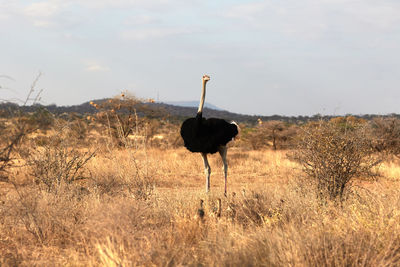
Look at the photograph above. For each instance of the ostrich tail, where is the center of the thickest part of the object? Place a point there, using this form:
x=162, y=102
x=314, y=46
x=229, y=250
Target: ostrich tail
x=238, y=128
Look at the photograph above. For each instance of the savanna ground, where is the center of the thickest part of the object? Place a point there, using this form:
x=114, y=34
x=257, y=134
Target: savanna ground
x=136, y=204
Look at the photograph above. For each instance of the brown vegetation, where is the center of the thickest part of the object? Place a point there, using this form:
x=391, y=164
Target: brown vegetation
x=81, y=195
x=333, y=154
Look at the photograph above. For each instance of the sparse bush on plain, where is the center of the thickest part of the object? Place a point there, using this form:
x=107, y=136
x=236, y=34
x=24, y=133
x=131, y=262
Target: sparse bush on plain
x=7, y=148
x=57, y=161
x=15, y=129
x=269, y=223
x=41, y=119
x=385, y=135
x=12, y=132
x=333, y=155
x=120, y=117
x=271, y=134
x=140, y=204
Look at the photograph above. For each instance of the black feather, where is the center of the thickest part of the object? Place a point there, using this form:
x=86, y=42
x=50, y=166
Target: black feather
x=207, y=135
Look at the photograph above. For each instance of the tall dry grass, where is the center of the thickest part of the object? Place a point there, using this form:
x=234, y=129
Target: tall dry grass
x=140, y=207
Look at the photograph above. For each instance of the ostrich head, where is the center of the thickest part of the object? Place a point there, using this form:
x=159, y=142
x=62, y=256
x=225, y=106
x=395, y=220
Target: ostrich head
x=206, y=78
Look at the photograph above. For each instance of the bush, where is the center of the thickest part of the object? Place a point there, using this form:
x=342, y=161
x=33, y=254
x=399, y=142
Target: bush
x=12, y=134
x=333, y=155
x=58, y=162
x=385, y=133
x=121, y=118
x=274, y=134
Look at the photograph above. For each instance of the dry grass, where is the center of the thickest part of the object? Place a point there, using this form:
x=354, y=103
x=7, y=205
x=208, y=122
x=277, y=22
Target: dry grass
x=270, y=218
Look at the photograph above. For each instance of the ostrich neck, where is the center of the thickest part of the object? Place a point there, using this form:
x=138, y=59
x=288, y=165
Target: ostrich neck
x=203, y=96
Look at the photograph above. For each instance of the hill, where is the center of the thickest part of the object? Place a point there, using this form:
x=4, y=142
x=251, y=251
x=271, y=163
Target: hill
x=193, y=104
x=171, y=112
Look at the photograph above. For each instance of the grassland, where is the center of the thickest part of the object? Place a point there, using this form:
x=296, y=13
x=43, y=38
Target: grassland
x=139, y=207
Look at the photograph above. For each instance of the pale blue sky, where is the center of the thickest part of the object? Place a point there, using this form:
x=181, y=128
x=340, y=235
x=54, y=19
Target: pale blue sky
x=285, y=57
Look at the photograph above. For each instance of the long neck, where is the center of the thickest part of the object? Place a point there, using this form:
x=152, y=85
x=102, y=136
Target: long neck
x=203, y=96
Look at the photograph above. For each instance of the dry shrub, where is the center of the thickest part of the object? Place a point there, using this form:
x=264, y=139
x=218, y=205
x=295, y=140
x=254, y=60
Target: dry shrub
x=12, y=134
x=254, y=208
x=122, y=117
x=48, y=218
x=304, y=233
x=385, y=135
x=166, y=136
x=123, y=179
x=333, y=155
x=362, y=232
x=58, y=161
x=120, y=172
x=123, y=174
x=79, y=130
x=20, y=125
x=274, y=134
x=125, y=231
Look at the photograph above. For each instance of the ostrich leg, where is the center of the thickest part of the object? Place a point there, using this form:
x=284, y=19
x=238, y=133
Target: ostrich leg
x=223, y=151
x=207, y=170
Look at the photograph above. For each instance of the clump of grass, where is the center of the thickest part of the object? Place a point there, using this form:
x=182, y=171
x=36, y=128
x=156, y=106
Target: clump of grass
x=121, y=173
x=41, y=217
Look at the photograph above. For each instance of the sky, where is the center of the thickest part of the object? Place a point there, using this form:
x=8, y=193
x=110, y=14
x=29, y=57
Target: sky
x=285, y=57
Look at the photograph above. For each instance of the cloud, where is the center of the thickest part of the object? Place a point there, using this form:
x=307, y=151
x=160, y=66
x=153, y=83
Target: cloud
x=315, y=18
x=93, y=66
x=45, y=13
x=4, y=16
x=61, y=13
x=301, y=19
x=151, y=33
x=141, y=20
x=8, y=9
x=248, y=12
x=106, y=4
x=378, y=15
x=42, y=9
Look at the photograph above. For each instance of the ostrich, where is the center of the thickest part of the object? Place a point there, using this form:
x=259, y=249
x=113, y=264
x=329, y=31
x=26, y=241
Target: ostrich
x=208, y=136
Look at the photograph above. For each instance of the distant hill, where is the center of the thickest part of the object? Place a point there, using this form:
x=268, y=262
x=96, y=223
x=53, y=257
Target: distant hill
x=182, y=113
x=171, y=112
x=193, y=104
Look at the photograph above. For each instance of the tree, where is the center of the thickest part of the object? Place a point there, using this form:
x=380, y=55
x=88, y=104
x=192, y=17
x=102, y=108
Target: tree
x=276, y=134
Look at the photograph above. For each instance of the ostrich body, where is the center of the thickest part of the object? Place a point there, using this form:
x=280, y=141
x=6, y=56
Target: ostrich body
x=208, y=136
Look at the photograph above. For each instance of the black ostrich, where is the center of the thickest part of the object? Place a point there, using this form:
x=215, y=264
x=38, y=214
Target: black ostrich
x=208, y=136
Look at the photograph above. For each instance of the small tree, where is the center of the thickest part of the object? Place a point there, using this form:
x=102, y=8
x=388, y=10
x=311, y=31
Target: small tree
x=273, y=131
x=385, y=135
x=277, y=134
x=123, y=116
x=333, y=155
x=255, y=137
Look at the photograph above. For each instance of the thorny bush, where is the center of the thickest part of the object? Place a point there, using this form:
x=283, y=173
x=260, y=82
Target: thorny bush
x=333, y=155
x=58, y=161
